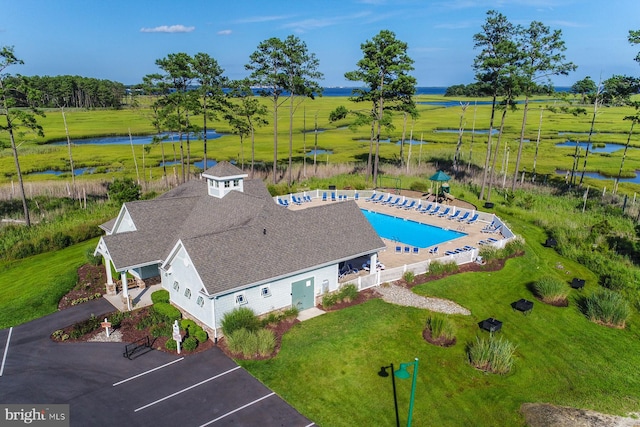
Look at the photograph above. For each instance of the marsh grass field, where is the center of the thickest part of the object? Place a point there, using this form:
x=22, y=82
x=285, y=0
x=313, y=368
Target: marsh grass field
x=436, y=127
x=327, y=366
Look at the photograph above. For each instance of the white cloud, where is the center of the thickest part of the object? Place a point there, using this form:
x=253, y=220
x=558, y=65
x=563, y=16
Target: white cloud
x=257, y=19
x=224, y=32
x=315, y=23
x=168, y=29
x=569, y=24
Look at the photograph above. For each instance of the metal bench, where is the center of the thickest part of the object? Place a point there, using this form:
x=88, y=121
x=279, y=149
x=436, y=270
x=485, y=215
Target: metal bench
x=137, y=348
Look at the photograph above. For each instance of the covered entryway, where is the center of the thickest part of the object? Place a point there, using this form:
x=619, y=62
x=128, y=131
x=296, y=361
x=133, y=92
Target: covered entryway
x=302, y=294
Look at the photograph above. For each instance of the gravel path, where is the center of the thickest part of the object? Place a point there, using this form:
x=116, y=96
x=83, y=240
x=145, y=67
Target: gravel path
x=402, y=296
x=114, y=336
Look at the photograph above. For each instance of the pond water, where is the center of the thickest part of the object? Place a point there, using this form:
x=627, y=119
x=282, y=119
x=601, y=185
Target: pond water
x=198, y=164
x=412, y=142
x=319, y=152
x=596, y=175
x=456, y=103
x=608, y=148
x=76, y=172
x=479, y=131
x=137, y=140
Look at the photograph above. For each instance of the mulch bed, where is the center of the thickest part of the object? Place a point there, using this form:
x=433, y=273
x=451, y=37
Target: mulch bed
x=91, y=281
x=440, y=342
x=493, y=265
x=131, y=334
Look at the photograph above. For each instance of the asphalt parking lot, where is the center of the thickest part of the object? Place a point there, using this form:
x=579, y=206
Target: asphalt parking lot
x=103, y=388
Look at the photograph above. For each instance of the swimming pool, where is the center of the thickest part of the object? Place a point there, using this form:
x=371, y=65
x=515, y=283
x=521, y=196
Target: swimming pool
x=409, y=232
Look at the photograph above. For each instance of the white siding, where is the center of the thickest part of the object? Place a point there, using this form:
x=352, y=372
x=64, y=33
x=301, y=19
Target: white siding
x=183, y=272
x=124, y=224
x=280, y=293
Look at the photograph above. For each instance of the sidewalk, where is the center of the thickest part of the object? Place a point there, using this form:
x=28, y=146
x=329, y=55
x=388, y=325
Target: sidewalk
x=139, y=298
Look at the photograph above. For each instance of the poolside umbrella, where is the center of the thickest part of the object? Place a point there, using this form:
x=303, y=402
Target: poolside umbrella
x=439, y=177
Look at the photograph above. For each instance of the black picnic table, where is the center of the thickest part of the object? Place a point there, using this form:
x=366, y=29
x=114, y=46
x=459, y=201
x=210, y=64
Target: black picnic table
x=491, y=325
x=523, y=305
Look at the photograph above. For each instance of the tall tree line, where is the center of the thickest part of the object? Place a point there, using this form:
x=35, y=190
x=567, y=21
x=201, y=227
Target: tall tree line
x=73, y=92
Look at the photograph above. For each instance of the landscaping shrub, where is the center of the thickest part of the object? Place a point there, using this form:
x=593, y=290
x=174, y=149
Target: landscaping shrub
x=606, y=307
x=169, y=312
x=513, y=247
x=329, y=300
x=242, y=341
x=271, y=318
x=437, y=267
x=489, y=253
x=492, y=354
x=265, y=342
x=189, y=344
x=551, y=290
x=440, y=326
x=239, y=318
x=61, y=240
x=201, y=335
x=161, y=330
x=171, y=344
x=84, y=327
x=421, y=186
x=117, y=317
x=409, y=277
x=160, y=295
x=91, y=258
x=348, y=293
x=187, y=324
x=291, y=312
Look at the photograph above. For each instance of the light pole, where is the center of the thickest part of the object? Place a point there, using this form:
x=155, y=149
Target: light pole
x=402, y=373
x=383, y=373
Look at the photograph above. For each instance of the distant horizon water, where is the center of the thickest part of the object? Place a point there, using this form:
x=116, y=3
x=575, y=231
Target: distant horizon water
x=420, y=90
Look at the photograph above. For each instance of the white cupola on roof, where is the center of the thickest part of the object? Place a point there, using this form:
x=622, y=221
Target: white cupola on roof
x=223, y=178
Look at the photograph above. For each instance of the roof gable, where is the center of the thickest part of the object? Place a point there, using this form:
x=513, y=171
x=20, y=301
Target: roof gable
x=224, y=170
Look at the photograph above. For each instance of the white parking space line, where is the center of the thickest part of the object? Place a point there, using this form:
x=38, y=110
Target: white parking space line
x=237, y=409
x=6, y=349
x=186, y=389
x=147, y=372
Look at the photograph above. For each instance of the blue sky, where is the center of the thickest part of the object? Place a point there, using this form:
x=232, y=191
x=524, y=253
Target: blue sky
x=120, y=40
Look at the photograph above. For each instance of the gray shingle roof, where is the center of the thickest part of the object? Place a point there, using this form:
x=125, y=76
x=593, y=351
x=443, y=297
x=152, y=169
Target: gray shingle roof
x=243, y=238
x=223, y=169
x=294, y=241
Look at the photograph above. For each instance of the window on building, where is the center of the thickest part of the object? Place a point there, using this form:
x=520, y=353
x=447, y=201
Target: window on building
x=227, y=184
x=241, y=299
x=265, y=291
x=176, y=286
x=236, y=183
x=187, y=293
x=200, y=301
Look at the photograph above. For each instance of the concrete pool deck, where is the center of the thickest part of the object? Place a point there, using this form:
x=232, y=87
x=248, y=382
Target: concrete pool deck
x=389, y=257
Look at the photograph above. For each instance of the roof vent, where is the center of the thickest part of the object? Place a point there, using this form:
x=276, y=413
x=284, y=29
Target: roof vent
x=264, y=231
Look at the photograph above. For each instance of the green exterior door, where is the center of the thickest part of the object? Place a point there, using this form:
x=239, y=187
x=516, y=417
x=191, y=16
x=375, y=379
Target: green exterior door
x=302, y=294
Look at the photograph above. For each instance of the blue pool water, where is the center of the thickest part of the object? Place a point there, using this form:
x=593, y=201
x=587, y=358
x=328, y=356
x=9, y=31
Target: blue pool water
x=409, y=232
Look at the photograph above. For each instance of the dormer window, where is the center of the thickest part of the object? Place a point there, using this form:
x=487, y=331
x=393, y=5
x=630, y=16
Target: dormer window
x=236, y=182
x=227, y=184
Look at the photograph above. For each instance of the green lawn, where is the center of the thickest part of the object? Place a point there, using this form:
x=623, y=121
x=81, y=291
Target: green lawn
x=328, y=366
x=32, y=287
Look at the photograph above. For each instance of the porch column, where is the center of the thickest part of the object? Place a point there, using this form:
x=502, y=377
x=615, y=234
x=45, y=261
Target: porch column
x=125, y=290
x=111, y=287
x=373, y=263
